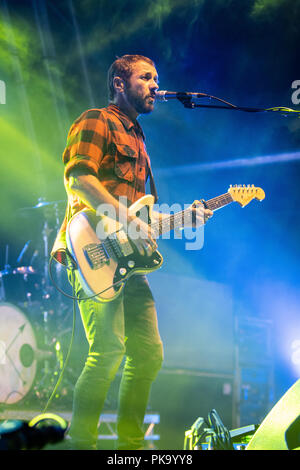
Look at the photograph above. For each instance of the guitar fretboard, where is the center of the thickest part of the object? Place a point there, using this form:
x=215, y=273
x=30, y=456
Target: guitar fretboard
x=218, y=202
x=184, y=217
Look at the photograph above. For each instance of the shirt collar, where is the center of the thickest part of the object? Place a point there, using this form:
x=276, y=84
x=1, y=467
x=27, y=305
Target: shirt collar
x=126, y=121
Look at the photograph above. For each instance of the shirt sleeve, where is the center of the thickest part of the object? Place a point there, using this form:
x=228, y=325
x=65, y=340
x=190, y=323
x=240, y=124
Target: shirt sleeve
x=86, y=143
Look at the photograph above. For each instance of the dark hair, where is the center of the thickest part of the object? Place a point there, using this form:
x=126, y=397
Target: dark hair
x=122, y=67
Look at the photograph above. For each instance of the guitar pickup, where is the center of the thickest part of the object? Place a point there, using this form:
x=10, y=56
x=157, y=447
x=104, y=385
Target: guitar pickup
x=96, y=255
x=121, y=244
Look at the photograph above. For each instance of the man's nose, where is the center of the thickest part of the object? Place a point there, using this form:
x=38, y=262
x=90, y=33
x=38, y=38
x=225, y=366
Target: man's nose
x=154, y=85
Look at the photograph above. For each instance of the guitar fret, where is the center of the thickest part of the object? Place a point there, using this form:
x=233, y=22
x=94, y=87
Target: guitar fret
x=168, y=223
x=219, y=201
x=178, y=219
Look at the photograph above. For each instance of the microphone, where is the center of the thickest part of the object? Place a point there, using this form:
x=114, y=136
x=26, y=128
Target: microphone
x=163, y=95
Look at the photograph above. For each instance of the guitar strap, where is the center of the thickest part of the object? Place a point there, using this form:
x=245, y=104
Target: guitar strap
x=152, y=185
x=153, y=189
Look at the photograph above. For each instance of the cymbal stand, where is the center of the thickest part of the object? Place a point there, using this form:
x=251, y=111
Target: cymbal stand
x=50, y=369
x=46, y=292
x=58, y=266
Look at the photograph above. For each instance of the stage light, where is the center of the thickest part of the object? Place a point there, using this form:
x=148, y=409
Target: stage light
x=46, y=428
x=295, y=356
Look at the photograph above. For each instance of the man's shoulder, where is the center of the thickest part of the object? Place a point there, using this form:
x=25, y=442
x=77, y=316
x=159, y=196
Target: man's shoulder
x=93, y=113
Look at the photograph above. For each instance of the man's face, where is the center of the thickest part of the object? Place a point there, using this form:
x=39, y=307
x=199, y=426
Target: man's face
x=141, y=87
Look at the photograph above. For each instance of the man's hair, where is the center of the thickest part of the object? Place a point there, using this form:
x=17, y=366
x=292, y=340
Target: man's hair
x=123, y=67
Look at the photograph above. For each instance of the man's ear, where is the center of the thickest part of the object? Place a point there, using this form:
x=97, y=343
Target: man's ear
x=119, y=84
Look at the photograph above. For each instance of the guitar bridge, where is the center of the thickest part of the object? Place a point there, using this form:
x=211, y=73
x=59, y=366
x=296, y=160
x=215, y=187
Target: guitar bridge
x=96, y=255
x=120, y=244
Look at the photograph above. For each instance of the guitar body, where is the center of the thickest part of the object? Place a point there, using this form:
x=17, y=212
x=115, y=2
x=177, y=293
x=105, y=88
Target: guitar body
x=104, y=253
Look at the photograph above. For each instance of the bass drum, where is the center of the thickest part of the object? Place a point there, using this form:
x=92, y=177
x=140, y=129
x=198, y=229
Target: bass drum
x=18, y=354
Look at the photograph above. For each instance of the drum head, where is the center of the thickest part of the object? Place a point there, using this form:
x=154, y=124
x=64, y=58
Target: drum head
x=17, y=354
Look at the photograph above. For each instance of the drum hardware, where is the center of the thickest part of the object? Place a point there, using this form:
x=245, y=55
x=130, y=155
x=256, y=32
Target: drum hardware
x=46, y=233
x=43, y=205
x=23, y=251
x=30, y=357
x=17, y=374
x=20, y=285
x=6, y=270
x=33, y=357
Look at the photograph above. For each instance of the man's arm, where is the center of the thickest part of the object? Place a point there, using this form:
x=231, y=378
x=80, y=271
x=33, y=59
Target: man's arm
x=92, y=192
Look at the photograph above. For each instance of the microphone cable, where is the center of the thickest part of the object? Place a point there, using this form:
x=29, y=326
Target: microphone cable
x=72, y=266
x=211, y=432
x=220, y=439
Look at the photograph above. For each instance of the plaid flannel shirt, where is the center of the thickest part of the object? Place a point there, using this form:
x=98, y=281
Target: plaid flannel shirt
x=106, y=143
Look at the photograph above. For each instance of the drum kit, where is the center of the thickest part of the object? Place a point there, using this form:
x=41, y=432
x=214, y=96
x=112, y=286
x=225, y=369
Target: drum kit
x=35, y=321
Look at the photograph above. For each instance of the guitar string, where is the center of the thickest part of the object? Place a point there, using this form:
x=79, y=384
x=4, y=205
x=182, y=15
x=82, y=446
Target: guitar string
x=170, y=222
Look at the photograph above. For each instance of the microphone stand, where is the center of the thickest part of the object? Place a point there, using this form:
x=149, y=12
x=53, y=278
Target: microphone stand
x=187, y=102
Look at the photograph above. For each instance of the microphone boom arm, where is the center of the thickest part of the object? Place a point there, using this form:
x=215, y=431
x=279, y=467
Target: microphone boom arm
x=186, y=99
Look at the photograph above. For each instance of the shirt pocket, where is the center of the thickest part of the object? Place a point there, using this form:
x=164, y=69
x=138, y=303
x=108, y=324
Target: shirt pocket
x=125, y=161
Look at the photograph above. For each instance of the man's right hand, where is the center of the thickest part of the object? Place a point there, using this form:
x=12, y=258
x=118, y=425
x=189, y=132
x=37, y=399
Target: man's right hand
x=142, y=236
x=94, y=194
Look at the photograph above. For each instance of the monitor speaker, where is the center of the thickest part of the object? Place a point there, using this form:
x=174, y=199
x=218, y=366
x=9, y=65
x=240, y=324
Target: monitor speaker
x=280, y=430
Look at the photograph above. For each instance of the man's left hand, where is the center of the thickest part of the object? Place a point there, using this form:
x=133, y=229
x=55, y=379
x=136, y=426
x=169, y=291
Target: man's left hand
x=200, y=214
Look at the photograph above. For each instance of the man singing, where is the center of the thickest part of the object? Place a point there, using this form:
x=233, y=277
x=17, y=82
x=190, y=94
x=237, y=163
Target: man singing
x=105, y=158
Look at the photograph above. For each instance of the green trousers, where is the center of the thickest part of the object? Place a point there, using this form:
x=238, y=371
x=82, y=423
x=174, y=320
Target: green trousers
x=125, y=326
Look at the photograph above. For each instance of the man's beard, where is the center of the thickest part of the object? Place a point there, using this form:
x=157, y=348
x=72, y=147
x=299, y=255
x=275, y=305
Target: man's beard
x=137, y=102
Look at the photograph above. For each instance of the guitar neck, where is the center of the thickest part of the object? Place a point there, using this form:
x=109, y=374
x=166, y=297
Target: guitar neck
x=218, y=202
x=184, y=217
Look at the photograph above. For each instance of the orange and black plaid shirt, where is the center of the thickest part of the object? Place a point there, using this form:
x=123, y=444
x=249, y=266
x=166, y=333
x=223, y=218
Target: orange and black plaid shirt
x=108, y=144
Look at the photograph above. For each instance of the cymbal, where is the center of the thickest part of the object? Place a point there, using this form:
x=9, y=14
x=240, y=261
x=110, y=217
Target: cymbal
x=44, y=205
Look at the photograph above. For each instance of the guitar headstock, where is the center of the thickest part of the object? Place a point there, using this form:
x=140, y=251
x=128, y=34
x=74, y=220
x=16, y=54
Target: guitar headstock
x=244, y=194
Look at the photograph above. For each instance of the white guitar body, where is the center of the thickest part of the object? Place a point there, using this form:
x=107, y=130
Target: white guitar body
x=104, y=253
